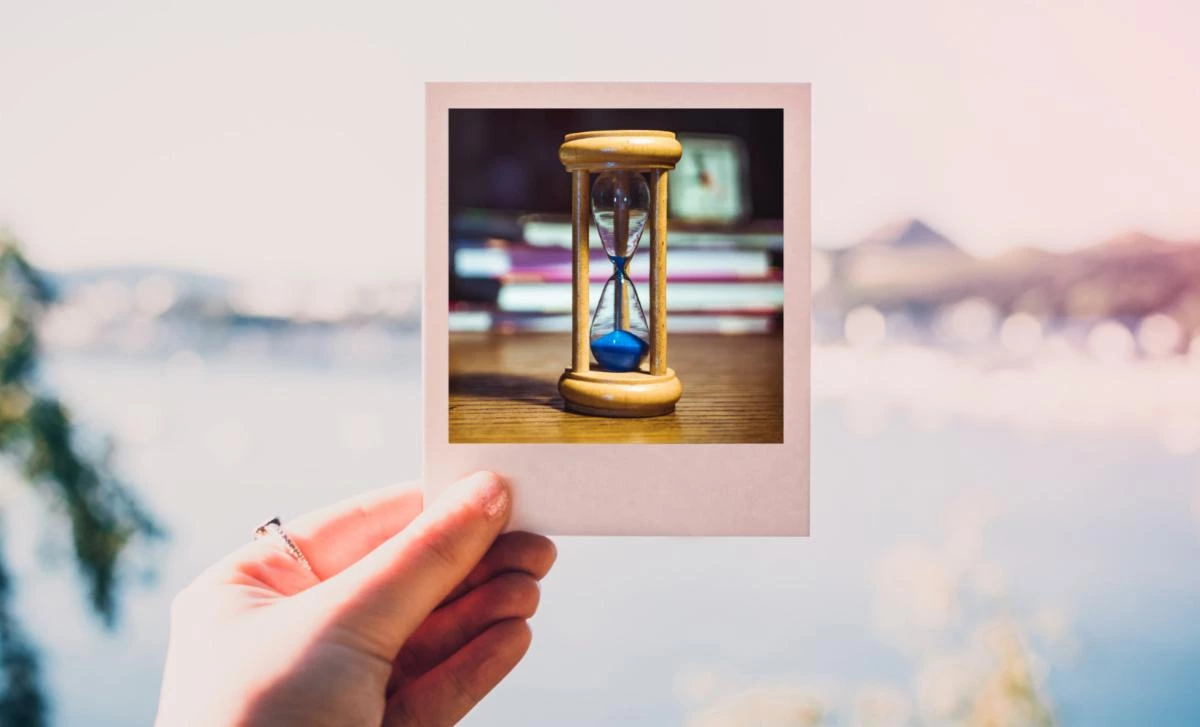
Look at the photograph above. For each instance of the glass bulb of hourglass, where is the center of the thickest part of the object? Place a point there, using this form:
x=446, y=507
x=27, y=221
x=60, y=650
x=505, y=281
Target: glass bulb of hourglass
x=619, y=334
x=620, y=206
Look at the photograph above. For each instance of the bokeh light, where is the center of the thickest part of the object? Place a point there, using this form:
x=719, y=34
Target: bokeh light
x=970, y=321
x=1111, y=342
x=154, y=295
x=865, y=327
x=1021, y=333
x=1159, y=335
x=822, y=270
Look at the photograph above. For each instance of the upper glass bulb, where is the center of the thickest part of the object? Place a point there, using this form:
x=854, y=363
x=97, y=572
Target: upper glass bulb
x=620, y=206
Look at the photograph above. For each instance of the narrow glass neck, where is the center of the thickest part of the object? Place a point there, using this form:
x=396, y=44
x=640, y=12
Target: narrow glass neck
x=620, y=265
x=619, y=280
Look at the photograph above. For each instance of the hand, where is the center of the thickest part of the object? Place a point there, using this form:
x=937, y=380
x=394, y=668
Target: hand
x=407, y=618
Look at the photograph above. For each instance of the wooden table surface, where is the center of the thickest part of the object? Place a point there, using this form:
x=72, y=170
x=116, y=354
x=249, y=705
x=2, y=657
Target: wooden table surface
x=503, y=388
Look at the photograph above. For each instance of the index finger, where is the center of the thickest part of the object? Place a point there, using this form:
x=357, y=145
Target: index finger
x=336, y=536
x=381, y=599
x=333, y=537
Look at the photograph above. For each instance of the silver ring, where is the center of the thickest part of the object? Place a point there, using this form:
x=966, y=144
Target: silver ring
x=274, y=528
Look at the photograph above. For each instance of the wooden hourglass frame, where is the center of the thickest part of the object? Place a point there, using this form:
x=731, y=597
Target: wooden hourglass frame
x=652, y=389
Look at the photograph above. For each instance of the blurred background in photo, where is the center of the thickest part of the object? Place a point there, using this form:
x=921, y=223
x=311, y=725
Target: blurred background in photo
x=228, y=203
x=510, y=219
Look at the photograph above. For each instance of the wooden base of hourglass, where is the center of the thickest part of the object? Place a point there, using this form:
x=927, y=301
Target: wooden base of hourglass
x=620, y=394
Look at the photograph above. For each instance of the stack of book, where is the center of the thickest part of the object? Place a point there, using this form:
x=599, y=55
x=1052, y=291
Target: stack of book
x=718, y=281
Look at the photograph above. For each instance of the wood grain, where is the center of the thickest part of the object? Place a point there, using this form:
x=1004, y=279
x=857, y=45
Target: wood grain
x=628, y=149
x=581, y=206
x=658, y=272
x=503, y=389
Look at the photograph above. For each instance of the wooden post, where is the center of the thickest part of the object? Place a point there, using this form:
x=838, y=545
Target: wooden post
x=658, y=272
x=580, y=208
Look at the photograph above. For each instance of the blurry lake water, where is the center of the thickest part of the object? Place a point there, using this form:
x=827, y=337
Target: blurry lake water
x=927, y=541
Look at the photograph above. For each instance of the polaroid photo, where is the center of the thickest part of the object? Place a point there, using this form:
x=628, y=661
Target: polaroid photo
x=616, y=303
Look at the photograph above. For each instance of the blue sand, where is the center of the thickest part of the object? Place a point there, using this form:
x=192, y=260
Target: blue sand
x=619, y=350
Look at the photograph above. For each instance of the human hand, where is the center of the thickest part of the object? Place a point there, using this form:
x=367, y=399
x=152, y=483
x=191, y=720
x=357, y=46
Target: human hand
x=407, y=617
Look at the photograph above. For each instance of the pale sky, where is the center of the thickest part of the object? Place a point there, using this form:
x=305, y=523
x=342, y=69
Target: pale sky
x=286, y=138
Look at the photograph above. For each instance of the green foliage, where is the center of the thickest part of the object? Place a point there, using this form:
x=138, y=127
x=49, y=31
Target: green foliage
x=21, y=702
x=36, y=437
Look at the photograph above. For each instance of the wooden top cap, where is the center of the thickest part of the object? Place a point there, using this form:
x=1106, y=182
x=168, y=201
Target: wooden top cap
x=624, y=149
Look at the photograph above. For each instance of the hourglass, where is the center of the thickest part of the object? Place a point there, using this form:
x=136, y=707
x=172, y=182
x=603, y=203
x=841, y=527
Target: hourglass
x=628, y=198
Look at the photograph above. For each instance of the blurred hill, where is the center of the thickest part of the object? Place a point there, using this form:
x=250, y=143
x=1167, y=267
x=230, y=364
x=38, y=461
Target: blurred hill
x=156, y=310
x=66, y=282
x=908, y=234
x=910, y=267
x=148, y=291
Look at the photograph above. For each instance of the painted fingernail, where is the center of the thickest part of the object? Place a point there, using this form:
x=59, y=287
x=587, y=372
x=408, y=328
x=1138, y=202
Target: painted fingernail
x=494, y=496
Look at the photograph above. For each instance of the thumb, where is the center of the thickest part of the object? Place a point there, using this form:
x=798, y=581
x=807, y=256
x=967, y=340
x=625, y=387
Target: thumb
x=379, y=601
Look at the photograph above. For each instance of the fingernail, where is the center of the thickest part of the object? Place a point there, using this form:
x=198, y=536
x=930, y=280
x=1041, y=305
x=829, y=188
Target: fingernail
x=493, y=495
